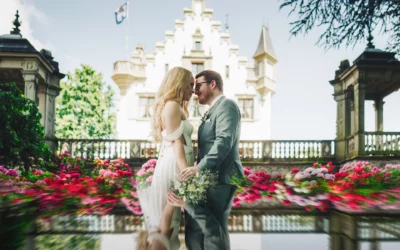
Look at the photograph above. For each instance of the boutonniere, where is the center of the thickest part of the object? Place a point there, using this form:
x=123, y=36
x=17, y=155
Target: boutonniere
x=204, y=117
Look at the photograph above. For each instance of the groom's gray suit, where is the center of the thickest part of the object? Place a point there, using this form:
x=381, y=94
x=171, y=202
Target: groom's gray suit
x=218, y=150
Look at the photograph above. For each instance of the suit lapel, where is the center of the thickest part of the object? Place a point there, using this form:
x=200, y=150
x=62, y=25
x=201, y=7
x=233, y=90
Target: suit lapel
x=210, y=112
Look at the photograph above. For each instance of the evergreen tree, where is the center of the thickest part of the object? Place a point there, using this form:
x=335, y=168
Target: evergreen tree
x=84, y=107
x=347, y=21
x=21, y=134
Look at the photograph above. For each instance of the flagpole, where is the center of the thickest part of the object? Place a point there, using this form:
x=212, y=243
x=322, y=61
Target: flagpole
x=127, y=31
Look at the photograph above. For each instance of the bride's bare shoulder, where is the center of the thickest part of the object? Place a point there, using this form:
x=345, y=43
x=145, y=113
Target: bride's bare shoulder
x=171, y=108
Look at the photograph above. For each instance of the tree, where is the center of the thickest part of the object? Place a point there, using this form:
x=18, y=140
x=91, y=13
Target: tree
x=347, y=21
x=84, y=106
x=21, y=134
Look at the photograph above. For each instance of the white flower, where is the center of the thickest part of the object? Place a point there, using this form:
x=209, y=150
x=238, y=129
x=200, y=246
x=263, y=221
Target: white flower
x=177, y=185
x=191, y=188
x=305, y=190
x=290, y=183
x=280, y=197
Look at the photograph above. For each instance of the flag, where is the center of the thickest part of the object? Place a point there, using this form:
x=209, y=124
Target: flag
x=121, y=13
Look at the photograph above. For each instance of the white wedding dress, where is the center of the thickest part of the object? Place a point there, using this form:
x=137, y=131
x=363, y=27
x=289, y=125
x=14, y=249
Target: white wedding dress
x=154, y=198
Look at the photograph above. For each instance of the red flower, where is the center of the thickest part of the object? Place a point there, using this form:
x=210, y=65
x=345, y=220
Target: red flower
x=286, y=203
x=295, y=170
x=289, y=191
x=100, y=179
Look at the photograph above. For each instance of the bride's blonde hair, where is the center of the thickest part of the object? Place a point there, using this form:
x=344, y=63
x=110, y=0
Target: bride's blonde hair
x=172, y=88
x=141, y=240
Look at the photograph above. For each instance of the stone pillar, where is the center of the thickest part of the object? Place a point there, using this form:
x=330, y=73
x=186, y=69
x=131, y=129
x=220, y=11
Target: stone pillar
x=378, y=105
x=31, y=86
x=359, y=118
x=49, y=129
x=343, y=232
x=341, y=125
x=42, y=103
x=374, y=244
x=30, y=238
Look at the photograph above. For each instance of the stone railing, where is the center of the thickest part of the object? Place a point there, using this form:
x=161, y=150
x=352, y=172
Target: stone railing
x=130, y=68
x=123, y=67
x=250, y=151
x=366, y=227
x=237, y=223
x=382, y=143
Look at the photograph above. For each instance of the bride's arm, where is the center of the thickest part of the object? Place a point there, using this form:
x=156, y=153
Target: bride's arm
x=172, y=118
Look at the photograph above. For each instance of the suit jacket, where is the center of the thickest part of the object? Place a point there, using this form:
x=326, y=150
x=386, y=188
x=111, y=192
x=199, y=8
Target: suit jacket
x=218, y=140
x=218, y=150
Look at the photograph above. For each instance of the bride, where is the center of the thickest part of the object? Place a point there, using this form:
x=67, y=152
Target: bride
x=171, y=128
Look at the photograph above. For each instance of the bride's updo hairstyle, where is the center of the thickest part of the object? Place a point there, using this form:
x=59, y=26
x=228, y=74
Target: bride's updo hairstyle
x=172, y=88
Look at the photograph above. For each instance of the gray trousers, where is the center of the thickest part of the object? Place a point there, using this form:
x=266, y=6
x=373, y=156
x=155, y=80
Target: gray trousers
x=207, y=223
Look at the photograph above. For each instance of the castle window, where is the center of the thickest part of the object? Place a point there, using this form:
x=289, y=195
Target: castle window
x=197, y=45
x=197, y=68
x=146, y=106
x=195, y=109
x=260, y=68
x=246, y=106
x=166, y=69
x=227, y=71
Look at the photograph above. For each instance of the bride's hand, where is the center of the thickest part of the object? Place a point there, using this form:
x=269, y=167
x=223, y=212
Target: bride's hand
x=189, y=172
x=175, y=200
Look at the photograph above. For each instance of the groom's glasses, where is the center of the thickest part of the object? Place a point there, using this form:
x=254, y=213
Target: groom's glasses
x=198, y=85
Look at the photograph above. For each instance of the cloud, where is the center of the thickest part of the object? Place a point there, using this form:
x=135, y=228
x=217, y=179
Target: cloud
x=28, y=13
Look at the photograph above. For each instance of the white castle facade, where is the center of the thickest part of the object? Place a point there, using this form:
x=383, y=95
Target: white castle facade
x=197, y=43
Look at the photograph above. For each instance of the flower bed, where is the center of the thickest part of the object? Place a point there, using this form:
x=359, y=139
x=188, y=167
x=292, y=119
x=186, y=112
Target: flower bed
x=77, y=187
x=355, y=187
x=81, y=187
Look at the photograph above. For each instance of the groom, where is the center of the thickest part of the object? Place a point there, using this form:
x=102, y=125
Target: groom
x=218, y=141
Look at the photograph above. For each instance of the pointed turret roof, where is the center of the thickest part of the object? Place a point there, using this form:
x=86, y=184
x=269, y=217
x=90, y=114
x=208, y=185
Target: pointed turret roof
x=265, y=44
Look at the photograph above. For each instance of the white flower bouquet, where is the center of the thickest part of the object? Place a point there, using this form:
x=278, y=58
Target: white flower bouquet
x=194, y=190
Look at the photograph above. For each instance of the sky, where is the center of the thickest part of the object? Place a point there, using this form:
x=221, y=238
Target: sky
x=84, y=32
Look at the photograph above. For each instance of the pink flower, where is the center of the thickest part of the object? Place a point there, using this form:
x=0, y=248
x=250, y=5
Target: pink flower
x=135, y=194
x=90, y=200
x=149, y=179
x=40, y=182
x=3, y=169
x=12, y=172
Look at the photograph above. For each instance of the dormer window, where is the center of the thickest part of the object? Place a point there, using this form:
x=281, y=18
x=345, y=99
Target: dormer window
x=166, y=69
x=197, y=45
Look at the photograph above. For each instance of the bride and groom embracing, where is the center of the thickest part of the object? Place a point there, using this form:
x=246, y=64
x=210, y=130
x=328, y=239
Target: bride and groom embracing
x=206, y=224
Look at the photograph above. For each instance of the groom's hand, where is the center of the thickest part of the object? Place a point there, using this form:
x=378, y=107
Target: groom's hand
x=189, y=172
x=175, y=200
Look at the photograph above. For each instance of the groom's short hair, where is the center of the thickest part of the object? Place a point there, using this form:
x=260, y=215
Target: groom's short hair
x=210, y=75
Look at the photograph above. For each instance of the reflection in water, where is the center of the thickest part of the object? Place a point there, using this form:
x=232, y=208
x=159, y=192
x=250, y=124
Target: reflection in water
x=334, y=231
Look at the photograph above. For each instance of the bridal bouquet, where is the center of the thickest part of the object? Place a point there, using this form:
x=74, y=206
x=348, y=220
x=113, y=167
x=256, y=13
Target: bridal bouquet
x=194, y=190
